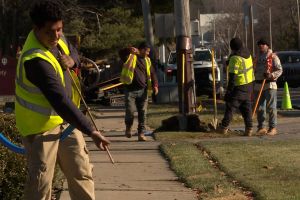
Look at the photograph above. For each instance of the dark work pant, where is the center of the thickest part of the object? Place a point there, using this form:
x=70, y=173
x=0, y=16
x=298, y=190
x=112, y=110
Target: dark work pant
x=136, y=100
x=245, y=108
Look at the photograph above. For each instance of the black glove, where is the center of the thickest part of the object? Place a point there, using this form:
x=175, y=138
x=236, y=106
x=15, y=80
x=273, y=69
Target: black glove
x=227, y=96
x=268, y=76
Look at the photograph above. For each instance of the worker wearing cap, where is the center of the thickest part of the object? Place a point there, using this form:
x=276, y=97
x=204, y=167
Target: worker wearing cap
x=46, y=103
x=240, y=86
x=139, y=77
x=267, y=66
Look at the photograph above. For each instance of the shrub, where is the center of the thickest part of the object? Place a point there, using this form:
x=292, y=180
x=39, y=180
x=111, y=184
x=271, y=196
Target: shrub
x=12, y=165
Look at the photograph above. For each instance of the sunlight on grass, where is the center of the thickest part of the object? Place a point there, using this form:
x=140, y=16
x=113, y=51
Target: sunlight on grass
x=269, y=168
x=193, y=169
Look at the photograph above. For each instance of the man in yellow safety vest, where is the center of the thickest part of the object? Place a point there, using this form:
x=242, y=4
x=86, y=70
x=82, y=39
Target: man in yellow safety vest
x=139, y=77
x=240, y=86
x=46, y=103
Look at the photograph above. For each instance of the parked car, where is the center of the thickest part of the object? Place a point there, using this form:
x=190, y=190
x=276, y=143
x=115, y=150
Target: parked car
x=202, y=64
x=171, y=69
x=290, y=61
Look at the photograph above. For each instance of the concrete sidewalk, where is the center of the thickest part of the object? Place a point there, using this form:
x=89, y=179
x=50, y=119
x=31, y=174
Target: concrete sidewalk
x=139, y=172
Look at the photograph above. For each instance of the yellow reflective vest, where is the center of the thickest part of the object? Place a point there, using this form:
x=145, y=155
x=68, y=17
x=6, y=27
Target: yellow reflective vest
x=127, y=72
x=34, y=114
x=243, y=70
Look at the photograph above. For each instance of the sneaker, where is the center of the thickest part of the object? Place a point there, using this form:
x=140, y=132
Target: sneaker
x=142, y=137
x=128, y=132
x=261, y=131
x=248, y=132
x=272, y=131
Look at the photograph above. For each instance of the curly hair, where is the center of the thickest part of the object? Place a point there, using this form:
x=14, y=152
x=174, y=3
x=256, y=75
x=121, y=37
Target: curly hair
x=45, y=11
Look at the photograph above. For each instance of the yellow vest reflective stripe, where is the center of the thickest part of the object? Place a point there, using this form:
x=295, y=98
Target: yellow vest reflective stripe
x=127, y=72
x=64, y=45
x=243, y=70
x=149, y=81
x=19, y=79
x=34, y=114
x=75, y=95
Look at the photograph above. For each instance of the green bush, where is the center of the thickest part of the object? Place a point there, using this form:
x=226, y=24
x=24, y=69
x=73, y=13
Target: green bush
x=13, y=169
x=12, y=165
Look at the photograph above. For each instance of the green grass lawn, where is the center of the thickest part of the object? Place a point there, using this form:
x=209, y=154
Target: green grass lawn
x=252, y=169
x=271, y=169
x=196, y=172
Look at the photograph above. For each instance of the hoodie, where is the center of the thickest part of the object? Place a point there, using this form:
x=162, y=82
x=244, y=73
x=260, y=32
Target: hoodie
x=241, y=92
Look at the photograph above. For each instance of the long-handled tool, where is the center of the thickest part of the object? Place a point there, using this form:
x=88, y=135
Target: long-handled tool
x=89, y=113
x=183, y=84
x=87, y=109
x=258, y=97
x=269, y=69
x=215, y=120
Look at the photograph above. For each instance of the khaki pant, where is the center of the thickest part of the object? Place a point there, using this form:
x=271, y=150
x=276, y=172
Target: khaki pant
x=42, y=153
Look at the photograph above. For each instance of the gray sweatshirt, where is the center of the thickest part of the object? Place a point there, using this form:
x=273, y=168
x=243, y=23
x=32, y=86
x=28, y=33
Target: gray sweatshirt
x=260, y=69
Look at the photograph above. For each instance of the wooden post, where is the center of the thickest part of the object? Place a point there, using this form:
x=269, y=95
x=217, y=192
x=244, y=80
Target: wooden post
x=252, y=31
x=184, y=57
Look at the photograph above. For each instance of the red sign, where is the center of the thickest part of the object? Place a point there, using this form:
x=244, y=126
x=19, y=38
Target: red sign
x=7, y=75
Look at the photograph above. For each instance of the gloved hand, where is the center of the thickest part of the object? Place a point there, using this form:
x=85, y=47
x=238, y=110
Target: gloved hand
x=134, y=50
x=268, y=76
x=155, y=90
x=66, y=61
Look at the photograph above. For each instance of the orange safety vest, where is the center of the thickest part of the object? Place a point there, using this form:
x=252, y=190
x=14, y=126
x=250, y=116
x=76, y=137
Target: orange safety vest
x=269, y=63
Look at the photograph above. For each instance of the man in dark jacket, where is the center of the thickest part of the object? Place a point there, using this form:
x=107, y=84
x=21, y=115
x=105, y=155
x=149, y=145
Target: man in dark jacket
x=240, y=86
x=139, y=76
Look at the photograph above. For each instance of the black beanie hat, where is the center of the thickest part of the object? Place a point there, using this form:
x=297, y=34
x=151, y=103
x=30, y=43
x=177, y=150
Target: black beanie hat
x=144, y=45
x=236, y=44
x=262, y=41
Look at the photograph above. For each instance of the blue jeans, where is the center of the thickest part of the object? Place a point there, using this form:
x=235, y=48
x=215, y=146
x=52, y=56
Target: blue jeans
x=137, y=99
x=267, y=103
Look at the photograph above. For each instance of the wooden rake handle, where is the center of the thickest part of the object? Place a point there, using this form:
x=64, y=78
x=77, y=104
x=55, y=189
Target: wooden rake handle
x=90, y=114
x=258, y=97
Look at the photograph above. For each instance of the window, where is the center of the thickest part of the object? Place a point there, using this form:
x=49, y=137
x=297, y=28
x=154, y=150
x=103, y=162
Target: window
x=202, y=56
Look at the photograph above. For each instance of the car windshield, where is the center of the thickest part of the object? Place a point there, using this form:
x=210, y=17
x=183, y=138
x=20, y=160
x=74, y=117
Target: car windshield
x=172, y=58
x=202, y=56
x=289, y=58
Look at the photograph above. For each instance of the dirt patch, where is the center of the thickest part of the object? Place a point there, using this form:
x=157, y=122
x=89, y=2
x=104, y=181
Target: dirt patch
x=192, y=121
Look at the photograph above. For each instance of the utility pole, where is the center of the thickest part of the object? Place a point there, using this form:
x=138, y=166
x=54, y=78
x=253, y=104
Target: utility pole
x=270, y=27
x=246, y=20
x=184, y=57
x=252, y=30
x=298, y=17
x=148, y=23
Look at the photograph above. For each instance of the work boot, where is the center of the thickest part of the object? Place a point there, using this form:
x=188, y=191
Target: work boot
x=142, y=137
x=261, y=131
x=272, y=131
x=128, y=132
x=223, y=130
x=248, y=132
